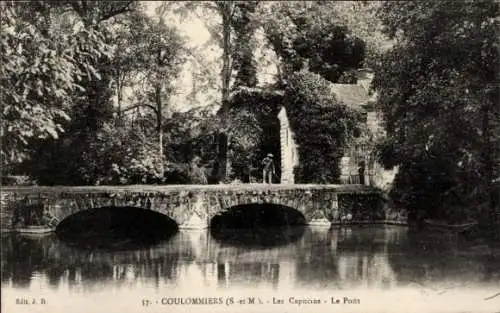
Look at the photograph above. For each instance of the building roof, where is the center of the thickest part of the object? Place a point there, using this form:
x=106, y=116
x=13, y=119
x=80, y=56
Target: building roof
x=354, y=96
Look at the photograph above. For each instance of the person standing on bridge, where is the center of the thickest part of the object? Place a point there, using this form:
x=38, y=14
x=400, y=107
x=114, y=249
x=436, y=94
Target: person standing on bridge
x=268, y=169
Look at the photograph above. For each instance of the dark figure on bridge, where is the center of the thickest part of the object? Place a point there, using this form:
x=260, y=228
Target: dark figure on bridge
x=361, y=172
x=198, y=175
x=268, y=169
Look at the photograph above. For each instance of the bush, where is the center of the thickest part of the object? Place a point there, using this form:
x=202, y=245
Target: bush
x=17, y=180
x=177, y=174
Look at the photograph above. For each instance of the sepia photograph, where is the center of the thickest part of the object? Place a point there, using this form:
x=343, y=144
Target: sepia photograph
x=250, y=156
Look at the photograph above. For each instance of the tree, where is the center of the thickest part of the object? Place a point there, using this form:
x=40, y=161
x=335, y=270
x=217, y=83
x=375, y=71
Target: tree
x=231, y=18
x=43, y=60
x=191, y=145
x=94, y=13
x=89, y=108
x=160, y=58
x=127, y=36
x=146, y=67
x=311, y=35
x=244, y=25
x=439, y=98
x=362, y=20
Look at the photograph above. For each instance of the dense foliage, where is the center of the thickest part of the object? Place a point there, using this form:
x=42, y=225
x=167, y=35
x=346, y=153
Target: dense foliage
x=121, y=155
x=244, y=25
x=361, y=19
x=322, y=126
x=42, y=67
x=191, y=146
x=312, y=34
x=75, y=59
x=438, y=91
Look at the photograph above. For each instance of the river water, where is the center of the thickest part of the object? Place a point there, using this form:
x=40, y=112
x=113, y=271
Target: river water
x=293, y=269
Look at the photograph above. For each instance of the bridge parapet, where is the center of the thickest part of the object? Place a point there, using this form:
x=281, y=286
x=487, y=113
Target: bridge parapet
x=191, y=206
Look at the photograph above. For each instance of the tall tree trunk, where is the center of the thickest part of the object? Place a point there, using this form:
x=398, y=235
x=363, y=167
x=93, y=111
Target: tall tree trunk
x=226, y=76
x=487, y=160
x=159, y=112
x=159, y=124
x=119, y=92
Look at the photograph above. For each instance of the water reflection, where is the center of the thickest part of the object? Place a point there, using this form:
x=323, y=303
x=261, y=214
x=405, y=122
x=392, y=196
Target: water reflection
x=443, y=259
x=258, y=238
x=338, y=258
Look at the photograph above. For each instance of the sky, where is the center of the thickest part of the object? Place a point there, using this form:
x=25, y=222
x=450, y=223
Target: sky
x=193, y=28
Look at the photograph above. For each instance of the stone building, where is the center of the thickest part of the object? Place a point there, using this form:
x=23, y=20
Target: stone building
x=359, y=153
x=288, y=149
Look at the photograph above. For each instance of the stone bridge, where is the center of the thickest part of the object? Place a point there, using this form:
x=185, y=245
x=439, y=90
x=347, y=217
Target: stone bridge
x=193, y=206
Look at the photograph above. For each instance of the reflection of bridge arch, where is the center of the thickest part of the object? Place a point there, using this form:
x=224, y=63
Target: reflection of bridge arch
x=197, y=246
x=191, y=256
x=188, y=206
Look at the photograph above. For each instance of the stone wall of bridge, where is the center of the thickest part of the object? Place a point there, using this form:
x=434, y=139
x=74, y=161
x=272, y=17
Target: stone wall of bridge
x=191, y=206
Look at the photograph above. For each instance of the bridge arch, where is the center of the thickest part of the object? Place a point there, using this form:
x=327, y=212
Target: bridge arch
x=315, y=206
x=178, y=207
x=255, y=215
x=259, y=225
x=116, y=227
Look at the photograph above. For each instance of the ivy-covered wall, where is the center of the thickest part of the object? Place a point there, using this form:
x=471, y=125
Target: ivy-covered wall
x=254, y=131
x=322, y=127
